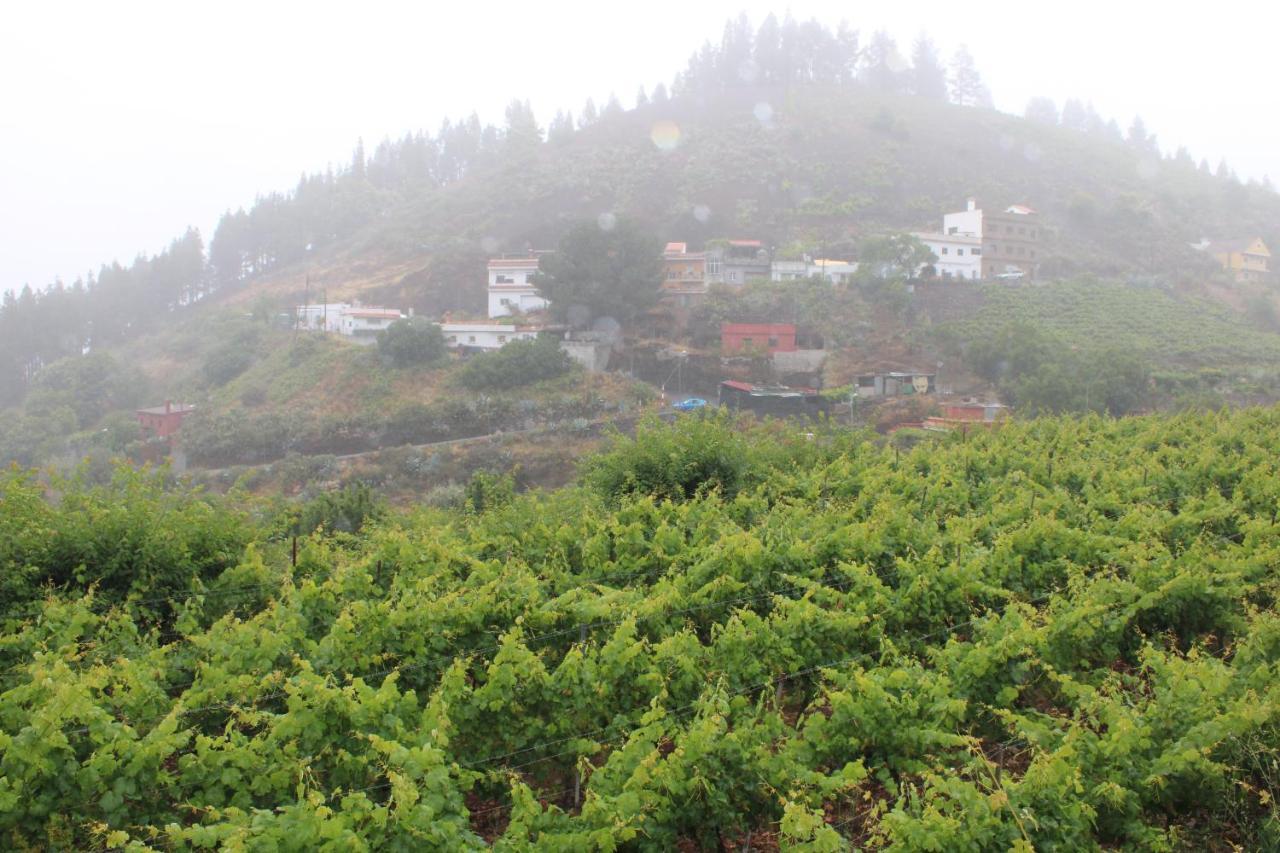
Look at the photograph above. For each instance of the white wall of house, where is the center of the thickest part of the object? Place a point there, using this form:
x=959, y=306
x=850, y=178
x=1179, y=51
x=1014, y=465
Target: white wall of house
x=511, y=289
x=958, y=257
x=364, y=324
x=788, y=270
x=507, y=300
x=488, y=336
x=967, y=222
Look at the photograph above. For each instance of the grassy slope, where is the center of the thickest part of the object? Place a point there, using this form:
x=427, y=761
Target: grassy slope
x=1174, y=331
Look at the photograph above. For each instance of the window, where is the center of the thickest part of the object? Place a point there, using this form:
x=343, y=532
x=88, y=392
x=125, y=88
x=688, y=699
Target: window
x=671, y=274
x=773, y=342
x=952, y=230
x=733, y=276
x=453, y=339
x=502, y=339
x=503, y=279
x=506, y=302
x=713, y=266
x=471, y=339
x=960, y=252
x=975, y=251
x=944, y=250
x=746, y=342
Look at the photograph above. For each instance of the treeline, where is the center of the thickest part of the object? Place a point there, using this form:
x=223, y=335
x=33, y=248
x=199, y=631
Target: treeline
x=797, y=53
x=1081, y=117
x=38, y=327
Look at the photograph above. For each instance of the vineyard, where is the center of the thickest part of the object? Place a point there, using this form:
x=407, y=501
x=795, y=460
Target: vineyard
x=1146, y=320
x=1058, y=636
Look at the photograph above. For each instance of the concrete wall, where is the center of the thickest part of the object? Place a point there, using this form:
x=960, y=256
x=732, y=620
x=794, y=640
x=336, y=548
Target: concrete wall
x=591, y=355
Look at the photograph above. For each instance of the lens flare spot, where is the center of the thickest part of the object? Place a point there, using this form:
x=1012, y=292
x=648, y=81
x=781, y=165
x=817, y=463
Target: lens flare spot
x=763, y=113
x=606, y=221
x=701, y=212
x=665, y=134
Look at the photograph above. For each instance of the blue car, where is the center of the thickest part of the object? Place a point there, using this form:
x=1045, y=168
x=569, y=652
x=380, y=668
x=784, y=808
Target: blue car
x=690, y=405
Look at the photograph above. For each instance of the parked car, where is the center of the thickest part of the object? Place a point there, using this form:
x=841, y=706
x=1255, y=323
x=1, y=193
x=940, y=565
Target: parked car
x=692, y=404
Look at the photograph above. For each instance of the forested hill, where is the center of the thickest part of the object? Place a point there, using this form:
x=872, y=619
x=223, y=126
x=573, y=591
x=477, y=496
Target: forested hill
x=790, y=133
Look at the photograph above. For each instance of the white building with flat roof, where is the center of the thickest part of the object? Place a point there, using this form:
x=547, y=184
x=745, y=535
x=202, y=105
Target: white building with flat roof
x=511, y=288
x=958, y=255
x=358, y=322
x=485, y=336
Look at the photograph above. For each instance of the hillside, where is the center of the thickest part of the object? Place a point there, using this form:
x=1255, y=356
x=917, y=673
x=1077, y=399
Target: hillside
x=813, y=167
x=830, y=167
x=1059, y=635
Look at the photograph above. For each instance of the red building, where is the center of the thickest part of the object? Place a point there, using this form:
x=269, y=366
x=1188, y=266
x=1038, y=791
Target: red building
x=163, y=421
x=973, y=410
x=757, y=337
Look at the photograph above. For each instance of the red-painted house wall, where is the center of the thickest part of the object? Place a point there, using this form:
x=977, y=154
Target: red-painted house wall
x=758, y=337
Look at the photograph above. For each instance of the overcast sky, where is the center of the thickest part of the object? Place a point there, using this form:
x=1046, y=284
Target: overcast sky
x=123, y=122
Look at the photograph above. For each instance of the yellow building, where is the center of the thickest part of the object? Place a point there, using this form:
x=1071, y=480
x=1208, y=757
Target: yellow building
x=1247, y=260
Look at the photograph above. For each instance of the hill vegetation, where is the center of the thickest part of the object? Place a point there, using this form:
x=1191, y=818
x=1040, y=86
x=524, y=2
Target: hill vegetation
x=1059, y=635
x=788, y=132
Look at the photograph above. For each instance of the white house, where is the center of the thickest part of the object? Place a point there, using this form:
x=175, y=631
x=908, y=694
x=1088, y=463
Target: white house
x=511, y=288
x=958, y=255
x=789, y=270
x=1009, y=238
x=359, y=322
x=363, y=324
x=834, y=271
x=485, y=336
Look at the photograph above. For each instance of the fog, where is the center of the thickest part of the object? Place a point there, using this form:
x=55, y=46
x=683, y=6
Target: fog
x=121, y=124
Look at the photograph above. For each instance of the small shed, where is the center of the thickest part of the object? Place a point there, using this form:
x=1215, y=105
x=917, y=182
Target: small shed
x=774, y=400
x=163, y=421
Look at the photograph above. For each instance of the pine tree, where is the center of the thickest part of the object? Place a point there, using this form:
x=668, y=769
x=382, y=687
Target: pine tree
x=521, y=136
x=735, y=65
x=1042, y=109
x=660, y=94
x=589, y=114
x=1139, y=139
x=560, y=130
x=846, y=47
x=967, y=88
x=767, y=51
x=928, y=79
x=883, y=71
x=642, y=100
x=357, y=160
x=1074, y=116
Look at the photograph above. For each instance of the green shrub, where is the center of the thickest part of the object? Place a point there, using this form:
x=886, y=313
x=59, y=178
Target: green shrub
x=517, y=364
x=675, y=462
x=408, y=342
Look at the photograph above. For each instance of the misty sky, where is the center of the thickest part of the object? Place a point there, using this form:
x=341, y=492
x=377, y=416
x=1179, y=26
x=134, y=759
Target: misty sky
x=123, y=122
